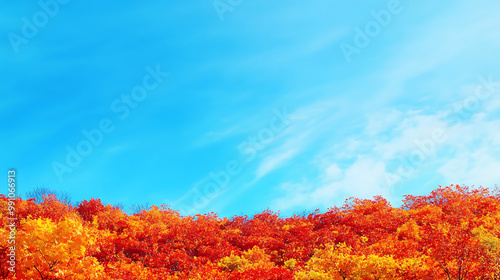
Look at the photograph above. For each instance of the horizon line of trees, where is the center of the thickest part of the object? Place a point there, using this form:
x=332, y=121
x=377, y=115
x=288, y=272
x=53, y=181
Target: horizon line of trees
x=39, y=193
x=452, y=233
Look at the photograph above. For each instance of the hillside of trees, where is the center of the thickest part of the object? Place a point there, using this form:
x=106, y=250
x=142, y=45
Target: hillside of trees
x=451, y=233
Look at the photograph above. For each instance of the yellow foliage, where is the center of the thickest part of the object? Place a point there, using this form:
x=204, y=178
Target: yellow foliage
x=287, y=227
x=134, y=270
x=232, y=262
x=492, y=246
x=410, y=230
x=332, y=262
x=489, y=240
x=378, y=267
x=339, y=262
x=253, y=258
x=290, y=264
x=56, y=250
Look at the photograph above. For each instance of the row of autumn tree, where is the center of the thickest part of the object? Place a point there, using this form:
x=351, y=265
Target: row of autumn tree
x=452, y=233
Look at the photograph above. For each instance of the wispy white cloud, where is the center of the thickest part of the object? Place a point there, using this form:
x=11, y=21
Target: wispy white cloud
x=438, y=45
x=477, y=168
x=274, y=161
x=376, y=152
x=306, y=125
x=291, y=146
x=407, y=135
x=363, y=179
x=477, y=153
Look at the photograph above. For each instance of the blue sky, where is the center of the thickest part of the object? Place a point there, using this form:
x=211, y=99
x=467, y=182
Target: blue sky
x=239, y=106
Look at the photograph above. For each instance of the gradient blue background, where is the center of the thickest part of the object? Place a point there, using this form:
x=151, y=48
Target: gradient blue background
x=352, y=126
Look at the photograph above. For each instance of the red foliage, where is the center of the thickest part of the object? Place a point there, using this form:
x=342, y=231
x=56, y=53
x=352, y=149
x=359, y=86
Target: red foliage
x=452, y=233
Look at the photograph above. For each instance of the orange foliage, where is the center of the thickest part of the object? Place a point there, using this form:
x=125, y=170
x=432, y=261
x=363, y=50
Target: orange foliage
x=452, y=233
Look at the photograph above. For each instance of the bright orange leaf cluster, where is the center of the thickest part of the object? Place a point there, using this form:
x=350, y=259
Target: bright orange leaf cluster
x=452, y=233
